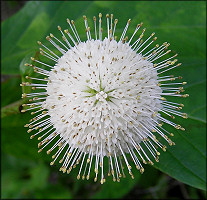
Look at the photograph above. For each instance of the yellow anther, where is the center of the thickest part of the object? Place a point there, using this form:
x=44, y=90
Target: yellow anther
x=39, y=144
x=96, y=170
x=185, y=95
x=87, y=177
x=39, y=150
x=164, y=148
x=141, y=36
x=64, y=38
x=142, y=170
x=38, y=42
x=137, y=166
x=144, y=162
x=69, y=170
x=64, y=170
x=32, y=136
x=49, y=151
x=185, y=115
x=24, y=95
x=168, y=45
x=151, y=163
x=155, y=38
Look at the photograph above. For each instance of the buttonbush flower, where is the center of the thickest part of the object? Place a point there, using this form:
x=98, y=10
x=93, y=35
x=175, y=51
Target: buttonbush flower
x=102, y=102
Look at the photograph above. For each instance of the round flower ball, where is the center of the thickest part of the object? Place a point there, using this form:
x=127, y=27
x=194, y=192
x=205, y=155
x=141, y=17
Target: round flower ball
x=101, y=105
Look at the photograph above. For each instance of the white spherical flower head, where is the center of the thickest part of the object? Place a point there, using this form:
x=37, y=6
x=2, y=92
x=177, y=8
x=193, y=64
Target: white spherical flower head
x=104, y=99
x=104, y=93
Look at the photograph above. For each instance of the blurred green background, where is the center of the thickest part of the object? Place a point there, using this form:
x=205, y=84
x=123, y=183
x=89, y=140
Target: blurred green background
x=181, y=172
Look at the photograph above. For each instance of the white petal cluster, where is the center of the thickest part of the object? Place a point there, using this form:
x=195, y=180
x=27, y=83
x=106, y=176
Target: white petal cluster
x=101, y=91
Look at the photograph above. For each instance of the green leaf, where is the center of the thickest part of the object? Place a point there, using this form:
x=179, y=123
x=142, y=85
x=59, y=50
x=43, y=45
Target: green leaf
x=15, y=139
x=37, y=181
x=34, y=22
x=10, y=89
x=180, y=23
x=186, y=161
x=26, y=179
x=11, y=109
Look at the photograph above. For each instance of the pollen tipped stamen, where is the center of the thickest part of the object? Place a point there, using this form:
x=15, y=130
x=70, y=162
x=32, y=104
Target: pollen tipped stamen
x=61, y=50
x=70, y=36
x=73, y=28
x=47, y=55
x=100, y=29
x=125, y=30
